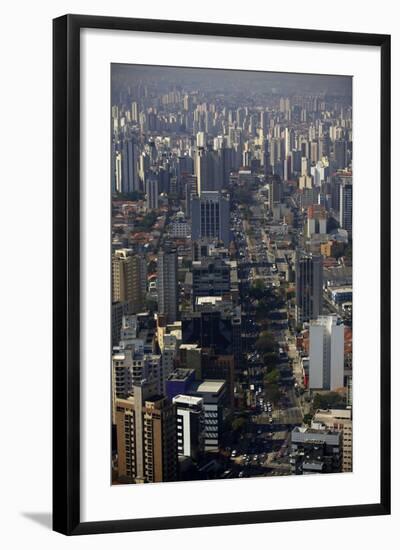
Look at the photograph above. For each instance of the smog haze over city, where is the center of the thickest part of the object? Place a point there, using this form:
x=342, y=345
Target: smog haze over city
x=231, y=262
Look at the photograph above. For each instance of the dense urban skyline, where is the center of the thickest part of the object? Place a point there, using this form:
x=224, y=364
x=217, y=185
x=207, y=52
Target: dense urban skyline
x=231, y=274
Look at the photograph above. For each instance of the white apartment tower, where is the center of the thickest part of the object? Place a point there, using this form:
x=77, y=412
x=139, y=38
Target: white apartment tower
x=326, y=353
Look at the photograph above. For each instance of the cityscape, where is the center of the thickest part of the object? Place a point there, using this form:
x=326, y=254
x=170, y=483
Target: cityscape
x=231, y=261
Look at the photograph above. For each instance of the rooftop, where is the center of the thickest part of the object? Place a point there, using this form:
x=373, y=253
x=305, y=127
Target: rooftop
x=210, y=386
x=187, y=400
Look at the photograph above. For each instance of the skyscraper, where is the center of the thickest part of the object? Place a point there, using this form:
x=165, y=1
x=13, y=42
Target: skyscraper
x=208, y=170
x=129, y=175
x=308, y=287
x=146, y=436
x=167, y=283
x=210, y=216
x=326, y=353
x=152, y=192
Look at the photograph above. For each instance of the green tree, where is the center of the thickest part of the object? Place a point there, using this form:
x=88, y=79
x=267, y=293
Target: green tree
x=272, y=377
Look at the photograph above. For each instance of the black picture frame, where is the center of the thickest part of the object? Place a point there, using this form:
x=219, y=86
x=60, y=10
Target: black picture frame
x=66, y=273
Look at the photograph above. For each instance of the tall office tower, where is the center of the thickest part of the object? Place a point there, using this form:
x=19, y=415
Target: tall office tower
x=326, y=353
x=275, y=190
x=189, y=425
x=210, y=216
x=127, y=273
x=167, y=283
x=346, y=204
x=146, y=436
x=314, y=451
x=135, y=111
x=129, y=177
x=316, y=219
x=152, y=191
x=339, y=420
x=309, y=280
x=340, y=154
x=208, y=170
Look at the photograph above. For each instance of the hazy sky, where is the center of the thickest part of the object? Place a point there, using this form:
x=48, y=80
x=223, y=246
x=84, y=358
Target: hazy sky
x=225, y=80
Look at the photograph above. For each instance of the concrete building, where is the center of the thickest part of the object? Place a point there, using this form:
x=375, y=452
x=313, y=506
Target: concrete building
x=146, y=437
x=189, y=425
x=315, y=451
x=339, y=420
x=210, y=216
x=326, y=353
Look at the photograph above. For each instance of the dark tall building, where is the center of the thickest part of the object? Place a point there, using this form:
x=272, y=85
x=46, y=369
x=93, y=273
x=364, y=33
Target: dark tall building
x=167, y=283
x=210, y=216
x=340, y=154
x=309, y=281
x=346, y=205
x=209, y=330
x=129, y=175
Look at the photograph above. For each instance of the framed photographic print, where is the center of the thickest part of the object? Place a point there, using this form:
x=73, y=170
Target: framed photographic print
x=209, y=365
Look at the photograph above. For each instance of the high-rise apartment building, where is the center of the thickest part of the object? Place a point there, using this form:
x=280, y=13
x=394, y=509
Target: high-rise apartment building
x=309, y=281
x=167, y=283
x=146, y=436
x=326, y=353
x=127, y=275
